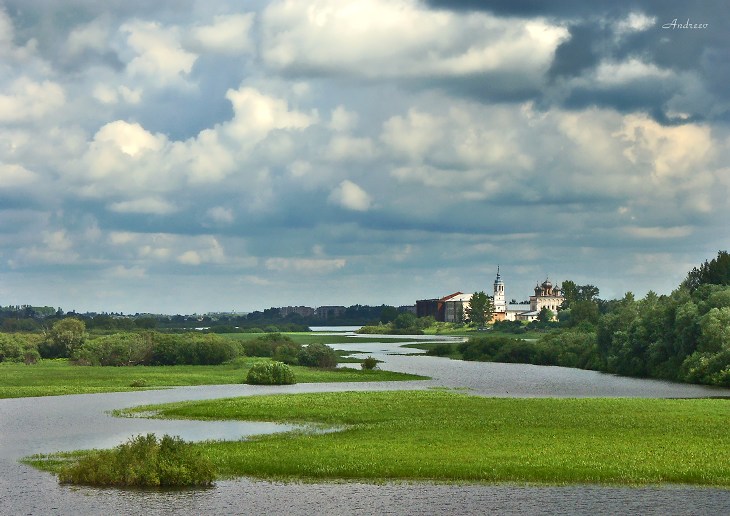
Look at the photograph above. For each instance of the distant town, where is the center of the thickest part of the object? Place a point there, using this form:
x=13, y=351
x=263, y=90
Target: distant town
x=448, y=308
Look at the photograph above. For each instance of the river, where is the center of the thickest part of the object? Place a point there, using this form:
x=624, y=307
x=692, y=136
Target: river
x=47, y=424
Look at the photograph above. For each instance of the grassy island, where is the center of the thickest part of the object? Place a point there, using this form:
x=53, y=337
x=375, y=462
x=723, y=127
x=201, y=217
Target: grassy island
x=57, y=377
x=438, y=435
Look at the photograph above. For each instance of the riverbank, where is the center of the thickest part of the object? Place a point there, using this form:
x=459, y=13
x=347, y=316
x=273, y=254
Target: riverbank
x=452, y=437
x=59, y=377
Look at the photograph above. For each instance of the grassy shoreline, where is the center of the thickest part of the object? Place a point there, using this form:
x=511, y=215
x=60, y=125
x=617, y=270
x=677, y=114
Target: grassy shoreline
x=443, y=436
x=59, y=377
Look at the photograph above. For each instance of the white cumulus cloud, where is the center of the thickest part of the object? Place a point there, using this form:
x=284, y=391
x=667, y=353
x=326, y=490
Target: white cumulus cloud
x=350, y=196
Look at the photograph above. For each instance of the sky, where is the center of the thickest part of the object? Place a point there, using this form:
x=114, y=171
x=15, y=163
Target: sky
x=189, y=156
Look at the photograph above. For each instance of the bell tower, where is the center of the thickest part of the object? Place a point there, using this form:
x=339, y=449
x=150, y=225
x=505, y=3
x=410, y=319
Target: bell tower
x=499, y=302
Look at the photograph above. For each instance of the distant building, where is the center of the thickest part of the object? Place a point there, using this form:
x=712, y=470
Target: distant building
x=435, y=308
x=303, y=311
x=328, y=312
x=546, y=296
x=453, y=308
x=498, y=300
x=411, y=309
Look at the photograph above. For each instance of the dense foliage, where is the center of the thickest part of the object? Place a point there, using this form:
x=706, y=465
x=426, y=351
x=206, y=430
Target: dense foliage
x=19, y=347
x=270, y=373
x=318, y=355
x=283, y=349
x=68, y=338
x=714, y=272
x=684, y=336
x=143, y=461
x=153, y=348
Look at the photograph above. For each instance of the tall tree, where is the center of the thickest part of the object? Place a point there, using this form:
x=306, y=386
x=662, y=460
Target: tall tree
x=67, y=335
x=545, y=315
x=573, y=293
x=715, y=272
x=480, y=309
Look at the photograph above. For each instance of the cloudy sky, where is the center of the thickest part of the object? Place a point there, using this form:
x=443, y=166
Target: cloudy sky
x=183, y=156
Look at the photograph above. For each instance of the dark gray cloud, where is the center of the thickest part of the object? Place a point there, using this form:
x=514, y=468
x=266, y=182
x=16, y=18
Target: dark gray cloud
x=599, y=34
x=575, y=55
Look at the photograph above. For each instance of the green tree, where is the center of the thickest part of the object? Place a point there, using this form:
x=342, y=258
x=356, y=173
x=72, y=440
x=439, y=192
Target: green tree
x=405, y=320
x=715, y=272
x=584, y=311
x=388, y=314
x=545, y=315
x=715, y=330
x=67, y=335
x=570, y=294
x=574, y=293
x=480, y=309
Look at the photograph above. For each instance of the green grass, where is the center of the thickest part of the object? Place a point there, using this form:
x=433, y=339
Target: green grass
x=446, y=436
x=57, y=377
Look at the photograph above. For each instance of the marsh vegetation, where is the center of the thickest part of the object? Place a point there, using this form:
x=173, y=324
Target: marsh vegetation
x=448, y=436
x=58, y=377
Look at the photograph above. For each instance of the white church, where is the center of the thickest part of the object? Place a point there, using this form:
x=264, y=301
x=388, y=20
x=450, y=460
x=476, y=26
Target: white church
x=547, y=295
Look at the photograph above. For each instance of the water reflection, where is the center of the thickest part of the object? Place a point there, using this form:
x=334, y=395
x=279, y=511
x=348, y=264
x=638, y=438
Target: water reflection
x=38, y=425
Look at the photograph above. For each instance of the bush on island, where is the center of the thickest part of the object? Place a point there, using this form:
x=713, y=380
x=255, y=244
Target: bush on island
x=270, y=373
x=368, y=364
x=143, y=461
x=318, y=355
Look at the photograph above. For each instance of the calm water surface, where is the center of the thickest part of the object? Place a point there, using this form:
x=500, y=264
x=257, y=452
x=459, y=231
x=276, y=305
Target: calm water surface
x=38, y=425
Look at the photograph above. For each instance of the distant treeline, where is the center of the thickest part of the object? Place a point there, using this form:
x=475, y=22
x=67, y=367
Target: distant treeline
x=684, y=336
x=28, y=319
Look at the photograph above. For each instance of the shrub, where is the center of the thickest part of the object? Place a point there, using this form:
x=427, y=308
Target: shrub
x=707, y=368
x=266, y=345
x=496, y=349
x=165, y=349
x=318, y=355
x=270, y=373
x=19, y=347
x=369, y=364
x=288, y=353
x=517, y=352
x=210, y=349
x=139, y=382
x=143, y=461
x=441, y=350
x=119, y=349
x=152, y=348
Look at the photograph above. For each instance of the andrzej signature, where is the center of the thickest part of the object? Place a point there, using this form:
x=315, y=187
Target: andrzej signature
x=687, y=25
